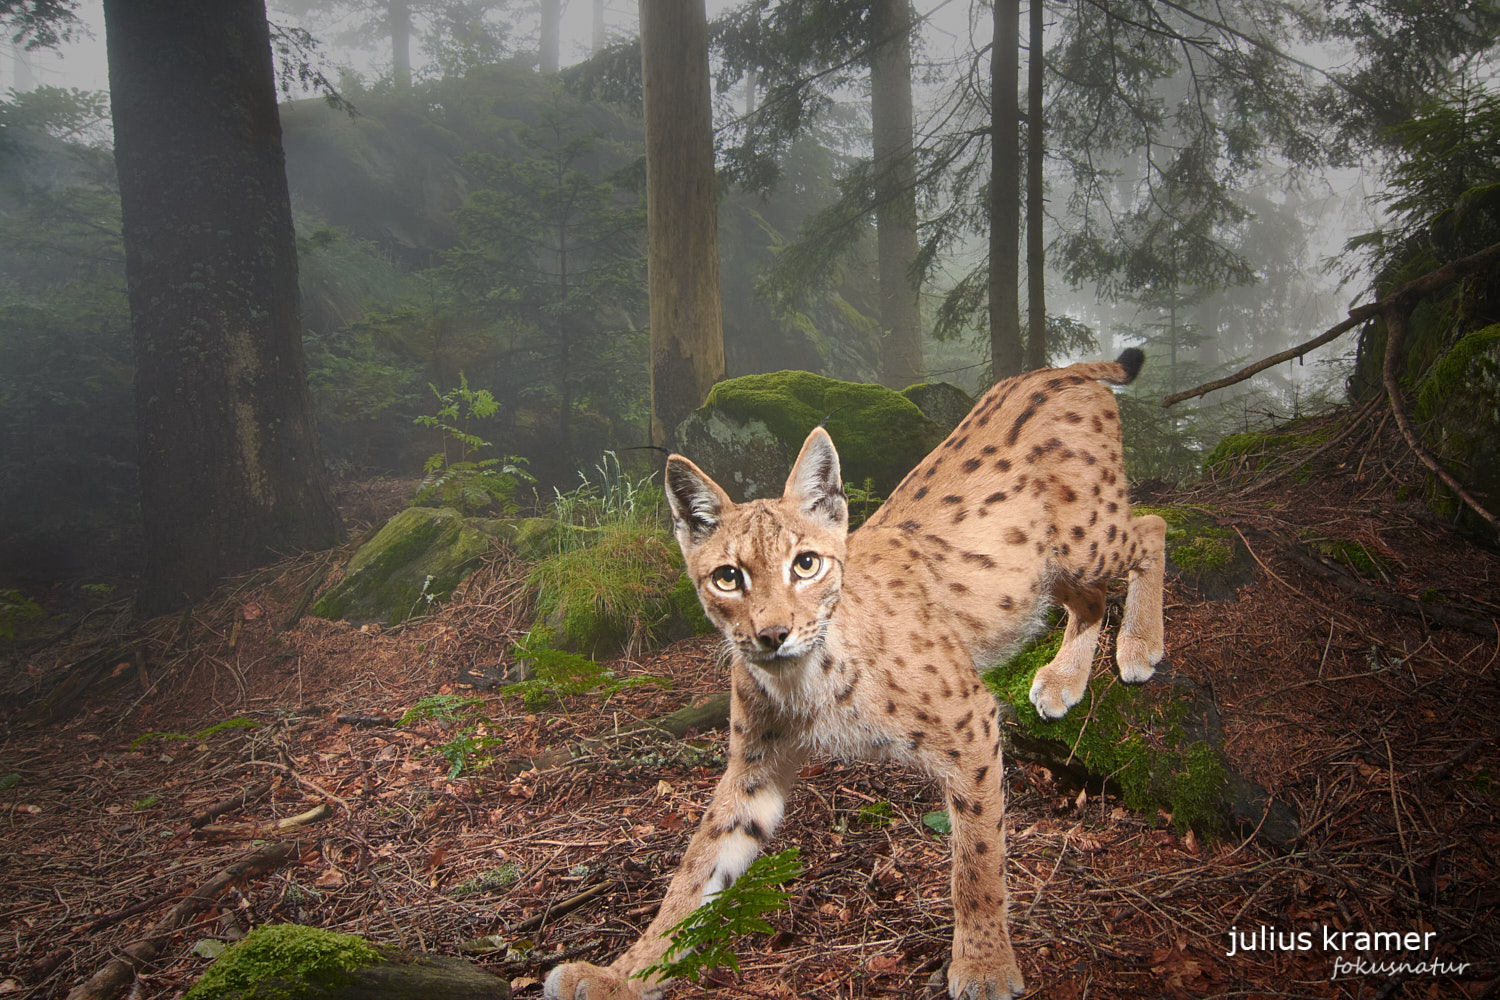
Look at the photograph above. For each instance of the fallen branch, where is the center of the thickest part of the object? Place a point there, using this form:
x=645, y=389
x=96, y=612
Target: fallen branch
x=1412, y=290
x=230, y=804
x=712, y=714
x=561, y=909
x=109, y=981
x=244, y=830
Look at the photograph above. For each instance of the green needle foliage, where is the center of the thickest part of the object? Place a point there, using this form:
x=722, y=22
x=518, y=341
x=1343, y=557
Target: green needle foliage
x=465, y=750
x=704, y=939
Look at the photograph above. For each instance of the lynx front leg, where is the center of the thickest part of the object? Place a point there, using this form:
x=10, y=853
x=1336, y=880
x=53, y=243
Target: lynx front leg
x=984, y=965
x=746, y=808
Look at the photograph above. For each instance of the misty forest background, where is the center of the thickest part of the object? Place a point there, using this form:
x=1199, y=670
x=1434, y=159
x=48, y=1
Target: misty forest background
x=1215, y=182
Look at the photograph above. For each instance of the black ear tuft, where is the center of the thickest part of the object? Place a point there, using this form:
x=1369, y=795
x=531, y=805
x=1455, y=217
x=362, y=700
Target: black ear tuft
x=816, y=483
x=696, y=502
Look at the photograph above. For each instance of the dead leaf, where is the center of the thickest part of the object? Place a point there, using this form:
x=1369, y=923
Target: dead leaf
x=250, y=612
x=521, y=982
x=886, y=963
x=1082, y=800
x=662, y=788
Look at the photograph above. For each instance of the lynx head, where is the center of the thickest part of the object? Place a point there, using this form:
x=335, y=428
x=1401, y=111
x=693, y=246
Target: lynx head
x=768, y=571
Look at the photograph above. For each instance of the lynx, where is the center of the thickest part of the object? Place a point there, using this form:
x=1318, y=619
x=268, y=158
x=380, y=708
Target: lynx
x=864, y=644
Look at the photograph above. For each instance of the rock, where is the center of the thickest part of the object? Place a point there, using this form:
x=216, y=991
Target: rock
x=1457, y=409
x=748, y=432
x=944, y=404
x=292, y=962
x=413, y=562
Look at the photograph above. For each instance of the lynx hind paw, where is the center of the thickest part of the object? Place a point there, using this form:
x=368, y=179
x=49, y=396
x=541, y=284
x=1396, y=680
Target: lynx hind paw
x=581, y=981
x=1136, y=658
x=969, y=981
x=1050, y=693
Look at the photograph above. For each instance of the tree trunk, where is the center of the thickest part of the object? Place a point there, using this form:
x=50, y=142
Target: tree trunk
x=600, y=35
x=895, y=193
x=550, y=56
x=682, y=258
x=1036, y=264
x=1006, y=351
x=399, y=16
x=229, y=465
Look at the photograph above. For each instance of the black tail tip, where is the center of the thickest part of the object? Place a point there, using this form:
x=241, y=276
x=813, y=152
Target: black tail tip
x=1131, y=360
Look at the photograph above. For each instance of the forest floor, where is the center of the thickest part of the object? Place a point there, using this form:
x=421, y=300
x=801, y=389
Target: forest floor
x=1378, y=725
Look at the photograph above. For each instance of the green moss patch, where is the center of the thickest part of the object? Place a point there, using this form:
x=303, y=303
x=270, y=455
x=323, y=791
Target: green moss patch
x=1353, y=555
x=1253, y=451
x=1139, y=740
x=1206, y=557
x=282, y=961
x=624, y=591
x=748, y=432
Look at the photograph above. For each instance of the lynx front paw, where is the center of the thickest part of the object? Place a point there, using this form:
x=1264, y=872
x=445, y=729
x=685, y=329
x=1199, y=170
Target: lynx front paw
x=968, y=980
x=581, y=981
x=1054, y=691
x=1136, y=658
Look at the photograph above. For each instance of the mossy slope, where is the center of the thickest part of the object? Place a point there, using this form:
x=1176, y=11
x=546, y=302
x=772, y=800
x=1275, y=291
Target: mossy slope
x=1140, y=740
x=1205, y=557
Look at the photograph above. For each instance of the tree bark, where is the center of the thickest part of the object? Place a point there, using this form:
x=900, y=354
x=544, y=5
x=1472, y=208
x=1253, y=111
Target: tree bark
x=229, y=465
x=399, y=15
x=600, y=34
x=682, y=259
x=1006, y=351
x=1036, y=263
x=549, y=59
x=895, y=192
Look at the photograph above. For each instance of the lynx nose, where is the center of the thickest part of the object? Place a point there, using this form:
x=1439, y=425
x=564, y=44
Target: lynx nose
x=772, y=636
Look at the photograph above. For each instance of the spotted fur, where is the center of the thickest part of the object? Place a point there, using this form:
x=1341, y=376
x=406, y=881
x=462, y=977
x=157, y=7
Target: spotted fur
x=864, y=644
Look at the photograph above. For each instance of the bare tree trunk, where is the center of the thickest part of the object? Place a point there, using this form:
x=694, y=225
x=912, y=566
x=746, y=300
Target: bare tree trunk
x=229, y=465
x=1006, y=351
x=1036, y=264
x=600, y=35
x=550, y=56
x=399, y=16
x=895, y=193
x=682, y=257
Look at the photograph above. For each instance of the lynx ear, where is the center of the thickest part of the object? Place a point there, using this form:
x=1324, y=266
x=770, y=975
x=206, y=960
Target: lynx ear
x=696, y=501
x=815, y=483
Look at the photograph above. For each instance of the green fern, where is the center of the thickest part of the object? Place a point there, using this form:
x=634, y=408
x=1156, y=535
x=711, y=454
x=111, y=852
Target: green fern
x=704, y=939
x=465, y=749
x=454, y=477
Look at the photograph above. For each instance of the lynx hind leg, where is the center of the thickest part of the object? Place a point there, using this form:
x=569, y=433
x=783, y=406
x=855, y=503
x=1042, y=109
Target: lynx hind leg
x=1141, y=644
x=1059, y=685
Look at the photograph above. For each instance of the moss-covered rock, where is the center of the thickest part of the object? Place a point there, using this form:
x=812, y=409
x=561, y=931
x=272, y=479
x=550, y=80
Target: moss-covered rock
x=1205, y=557
x=943, y=403
x=748, y=432
x=412, y=563
x=1237, y=454
x=292, y=962
x=622, y=592
x=1458, y=402
x=1156, y=745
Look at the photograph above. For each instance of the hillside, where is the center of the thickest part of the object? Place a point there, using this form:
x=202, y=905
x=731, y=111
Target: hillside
x=1360, y=689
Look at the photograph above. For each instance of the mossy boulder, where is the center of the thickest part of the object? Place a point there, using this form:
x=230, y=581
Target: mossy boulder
x=748, y=432
x=622, y=592
x=418, y=558
x=1156, y=745
x=944, y=404
x=292, y=962
x=1458, y=402
x=1205, y=558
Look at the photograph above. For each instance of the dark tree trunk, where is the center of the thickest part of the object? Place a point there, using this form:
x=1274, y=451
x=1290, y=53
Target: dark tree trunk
x=1006, y=351
x=229, y=464
x=1036, y=263
x=399, y=16
x=895, y=193
x=550, y=56
x=682, y=256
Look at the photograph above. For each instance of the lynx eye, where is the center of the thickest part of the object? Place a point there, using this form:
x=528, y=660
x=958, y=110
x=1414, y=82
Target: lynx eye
x=806, y=565
x=727, y=578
